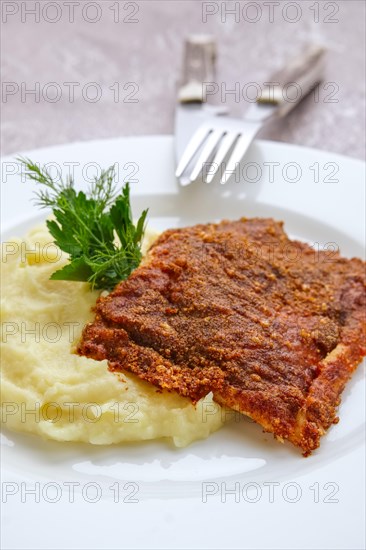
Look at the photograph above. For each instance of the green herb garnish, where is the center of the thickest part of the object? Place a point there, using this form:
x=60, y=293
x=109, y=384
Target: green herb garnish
x=85, y=227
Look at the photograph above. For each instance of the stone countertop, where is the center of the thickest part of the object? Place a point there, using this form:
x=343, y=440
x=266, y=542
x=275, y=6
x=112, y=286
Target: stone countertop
x=91, y=70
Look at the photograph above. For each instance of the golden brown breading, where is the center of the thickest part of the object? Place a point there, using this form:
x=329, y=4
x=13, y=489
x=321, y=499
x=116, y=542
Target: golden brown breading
x=272, y=327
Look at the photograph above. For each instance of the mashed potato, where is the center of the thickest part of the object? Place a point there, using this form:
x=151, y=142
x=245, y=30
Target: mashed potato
x=49, y=390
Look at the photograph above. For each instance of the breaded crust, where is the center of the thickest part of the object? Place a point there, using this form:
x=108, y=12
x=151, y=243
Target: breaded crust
x=271, y=326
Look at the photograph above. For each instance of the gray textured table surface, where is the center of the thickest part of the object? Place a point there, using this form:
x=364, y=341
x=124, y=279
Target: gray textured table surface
x=134, y=50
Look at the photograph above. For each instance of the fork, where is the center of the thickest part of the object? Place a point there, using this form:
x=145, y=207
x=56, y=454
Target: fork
x=224, y=138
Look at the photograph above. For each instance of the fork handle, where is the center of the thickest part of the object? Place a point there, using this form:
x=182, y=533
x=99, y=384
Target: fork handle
x=291, y=84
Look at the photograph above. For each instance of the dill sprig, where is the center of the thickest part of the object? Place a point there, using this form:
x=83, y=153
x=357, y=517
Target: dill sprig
x=85, y=226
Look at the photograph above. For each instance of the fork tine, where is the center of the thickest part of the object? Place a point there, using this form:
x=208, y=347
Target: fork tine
x=189, y=152
x=208, y=148
x=239, y=151
x=222, y=151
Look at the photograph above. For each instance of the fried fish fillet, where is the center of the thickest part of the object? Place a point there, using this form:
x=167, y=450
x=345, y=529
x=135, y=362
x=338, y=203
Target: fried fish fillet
x=271, y=326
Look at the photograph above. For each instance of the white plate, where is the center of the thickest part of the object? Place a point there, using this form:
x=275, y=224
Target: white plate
x=321, y=198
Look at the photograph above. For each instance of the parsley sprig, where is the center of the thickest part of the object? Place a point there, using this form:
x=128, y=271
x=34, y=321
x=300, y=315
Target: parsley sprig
x=85, y=226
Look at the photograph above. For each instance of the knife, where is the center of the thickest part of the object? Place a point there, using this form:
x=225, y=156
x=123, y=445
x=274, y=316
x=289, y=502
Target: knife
x=192, y=110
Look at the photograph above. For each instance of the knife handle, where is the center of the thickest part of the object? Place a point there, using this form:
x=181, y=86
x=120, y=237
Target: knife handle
x=199, y=67
x=291, y=84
